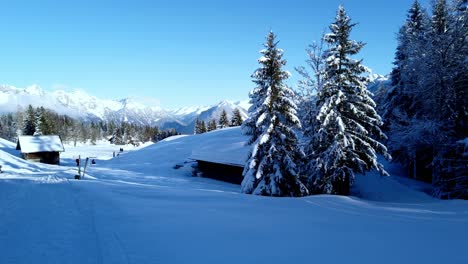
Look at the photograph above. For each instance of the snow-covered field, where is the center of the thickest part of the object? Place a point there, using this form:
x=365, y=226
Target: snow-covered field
x=138, y=208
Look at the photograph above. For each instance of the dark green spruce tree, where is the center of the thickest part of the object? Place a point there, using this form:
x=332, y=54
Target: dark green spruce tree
x=211, y=125
x=223, y=119
x=236, y=119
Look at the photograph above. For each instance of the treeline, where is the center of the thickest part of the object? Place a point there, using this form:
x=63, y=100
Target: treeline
x=202, y=127
x=422, y=117
x=335, y=113
x=425, y=110
x=41, y=121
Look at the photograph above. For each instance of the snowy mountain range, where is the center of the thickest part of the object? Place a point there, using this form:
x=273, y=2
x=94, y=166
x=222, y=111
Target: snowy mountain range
x=79, y=104
x=377, y=83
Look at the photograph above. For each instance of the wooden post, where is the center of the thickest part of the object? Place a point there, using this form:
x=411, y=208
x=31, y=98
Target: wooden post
x=84, y=167
x=78, y=176
x=79, y=165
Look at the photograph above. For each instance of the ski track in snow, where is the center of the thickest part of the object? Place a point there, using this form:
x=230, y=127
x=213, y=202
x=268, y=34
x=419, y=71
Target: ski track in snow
x=136, y=208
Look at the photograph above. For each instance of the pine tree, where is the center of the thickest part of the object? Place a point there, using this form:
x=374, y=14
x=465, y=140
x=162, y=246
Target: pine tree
x=211, y=125
x=440, y=17
x=417, y=28
x=44, y=124
x=196, y=129
x=446, y=81
x=312, y=82
x=223, y=119
x=203, y=128
x=271, y=169
x=29, y=122
x=404, y=106
x=118, y=136
x=236, y=119
x=8, y=126
x=458, y=32
x=309, y=85
x=94, y=133
x=200, y=127
x=347, y=122
x=39, y=122
x=412, y=44
x=424, y=109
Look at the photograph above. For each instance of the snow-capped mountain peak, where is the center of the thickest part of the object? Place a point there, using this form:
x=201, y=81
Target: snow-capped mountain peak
x=34, y=90
x=79, y=104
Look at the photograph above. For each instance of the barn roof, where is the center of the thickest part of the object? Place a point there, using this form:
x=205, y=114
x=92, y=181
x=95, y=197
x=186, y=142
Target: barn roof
x=33, y=144
x=226, y=146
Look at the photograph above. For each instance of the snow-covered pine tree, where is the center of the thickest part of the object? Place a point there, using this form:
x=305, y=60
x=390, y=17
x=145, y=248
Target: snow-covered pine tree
x=94, y=133
x=203, y=128
x=409, y=62
x=347, y=123
x=212, y=125
x=223, y=119
x=118, y=136
x=196, y=129
x=271, y=169
x=29, y=121
x=459, y=29
x=308, y=86
x=44, y=126
x=312, y=76
x=437, y=83
x=396, y=97
x=404, y=106
x=417, y=29
x=39, y=121
x=257, y=97
x=446, y=81
x=448, y=75
x=440, y=17
x=236, y=119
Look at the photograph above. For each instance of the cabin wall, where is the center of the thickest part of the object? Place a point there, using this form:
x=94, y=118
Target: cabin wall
x=43, y=157
x=227, y=173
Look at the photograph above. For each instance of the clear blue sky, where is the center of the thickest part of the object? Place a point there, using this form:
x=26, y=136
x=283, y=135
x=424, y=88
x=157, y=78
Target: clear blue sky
x=182, y=53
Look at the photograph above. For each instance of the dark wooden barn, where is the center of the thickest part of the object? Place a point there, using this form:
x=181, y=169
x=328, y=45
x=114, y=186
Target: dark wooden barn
x=223, y=172
x=44, y=149
x=222, y=154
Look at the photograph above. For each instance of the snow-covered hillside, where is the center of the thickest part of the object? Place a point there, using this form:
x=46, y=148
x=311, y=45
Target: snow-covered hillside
x=79, y=104
x=139, y=207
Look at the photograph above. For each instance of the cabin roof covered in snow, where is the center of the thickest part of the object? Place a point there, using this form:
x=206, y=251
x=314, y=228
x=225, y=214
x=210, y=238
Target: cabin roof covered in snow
x=34, y=144
x=226, y=146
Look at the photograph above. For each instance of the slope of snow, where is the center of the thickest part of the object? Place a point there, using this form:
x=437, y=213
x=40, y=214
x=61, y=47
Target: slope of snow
x=5, y=144
x=189, y=110
x=139, y=207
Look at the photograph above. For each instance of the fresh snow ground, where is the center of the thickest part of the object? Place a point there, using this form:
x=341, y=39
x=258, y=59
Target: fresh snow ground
x=138, y=208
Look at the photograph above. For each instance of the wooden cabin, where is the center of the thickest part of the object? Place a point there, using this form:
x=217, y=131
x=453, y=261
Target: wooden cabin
x=44, y=149
x=222, y=154
x=224, y=172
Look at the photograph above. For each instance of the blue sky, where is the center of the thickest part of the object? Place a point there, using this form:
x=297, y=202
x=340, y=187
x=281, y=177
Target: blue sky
x=181, y=53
